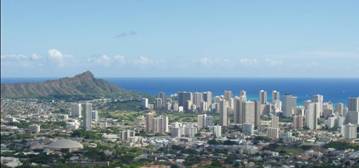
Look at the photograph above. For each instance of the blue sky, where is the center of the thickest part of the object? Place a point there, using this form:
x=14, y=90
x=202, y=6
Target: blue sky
x=143, y=38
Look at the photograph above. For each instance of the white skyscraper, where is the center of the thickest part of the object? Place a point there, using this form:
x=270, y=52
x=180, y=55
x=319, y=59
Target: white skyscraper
x=238, y=110
x=277, y=104
x=160, y=124
x=353, y=104
x=202, y=121
x=95, y=115
x=275, y=122
x=197, y=99
x=223, y=109
x=145, y=103
x=76, y=110
x=319, y=99
x=289, y=105
x=87, y=119
x=311, y=111
x=249, y=110
x=207, y=97
x=350, y=131
x=227, y=94
x=262, y=97
x=149, y=121
x=217, y=131
x=275, y=96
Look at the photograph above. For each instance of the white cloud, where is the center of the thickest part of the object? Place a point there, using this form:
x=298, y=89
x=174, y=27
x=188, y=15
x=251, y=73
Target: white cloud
x=273, y=62
x=208, y=61
x=13, y=57
x=57, y=57
x=144, y=61
x=248, y=61
x=35, y=57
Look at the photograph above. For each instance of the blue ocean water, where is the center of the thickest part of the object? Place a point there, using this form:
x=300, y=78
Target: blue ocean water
x=334, y=90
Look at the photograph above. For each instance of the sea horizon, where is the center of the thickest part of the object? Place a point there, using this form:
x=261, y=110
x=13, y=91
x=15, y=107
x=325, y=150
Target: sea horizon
x=333, y=89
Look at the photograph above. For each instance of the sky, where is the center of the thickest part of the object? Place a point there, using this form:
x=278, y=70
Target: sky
x=202, y=38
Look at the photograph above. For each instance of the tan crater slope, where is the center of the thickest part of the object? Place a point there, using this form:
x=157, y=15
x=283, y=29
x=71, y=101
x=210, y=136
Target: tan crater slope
x=84, y=84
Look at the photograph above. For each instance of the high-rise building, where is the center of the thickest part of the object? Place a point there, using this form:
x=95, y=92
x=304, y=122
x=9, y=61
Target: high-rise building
x=228, y=94
x=273, y=132
x=160, y=124
x=289, y=105
x=319, y=99
x=197, y=99
x=87, y=119
x=162, y=95
x=350, y=131
x=243, y=95
x=184, y=98
x=76, y=110
x=249, y=112
x=190, y=130
x=158, y=103
x=95, y=115
x=277, y=104
x=238, y=110
x=275, y=122
x=202, y=121
x=149, y=121
x=340, y=108
x=275, y=96
x=145, y=103
x=262, y=97
x=352, y=117
x=207, y=97
x=353, y=104
x=217, y=131
x=297, y=121
x=223, y=109
x=311, y=111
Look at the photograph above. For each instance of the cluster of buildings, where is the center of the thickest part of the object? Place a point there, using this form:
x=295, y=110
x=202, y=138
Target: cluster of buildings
x=314, y=114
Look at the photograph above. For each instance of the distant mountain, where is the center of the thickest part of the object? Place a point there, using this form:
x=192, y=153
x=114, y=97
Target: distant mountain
x=81, y=85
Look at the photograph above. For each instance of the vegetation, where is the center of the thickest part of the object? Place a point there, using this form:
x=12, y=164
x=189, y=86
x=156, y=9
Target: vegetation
x=86, y=134
x=340, y=145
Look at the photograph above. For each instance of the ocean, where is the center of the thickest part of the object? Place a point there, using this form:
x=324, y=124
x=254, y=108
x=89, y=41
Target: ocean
x=334, y=90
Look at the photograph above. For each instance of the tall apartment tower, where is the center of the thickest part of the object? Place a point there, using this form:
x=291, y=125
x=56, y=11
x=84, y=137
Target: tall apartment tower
x=297, y=121
x=228, y=95
x=277, y=104
x=289, y=105
x=262, y=97
x=160, y=124
x=197, y=99
x=350, y=131
x=248, y=112
x=76, y=110
x=184, y=98
x=353, y=104
x=275, y=95
x=149, y=121
x=311, y=111
x=275, y=122
x=223, y=110
x=238, y=110
x=207, y=97
x=87, y=119
x=319, y=99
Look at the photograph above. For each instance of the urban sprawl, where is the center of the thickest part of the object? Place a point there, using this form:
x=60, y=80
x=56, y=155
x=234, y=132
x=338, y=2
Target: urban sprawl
x=184, y=129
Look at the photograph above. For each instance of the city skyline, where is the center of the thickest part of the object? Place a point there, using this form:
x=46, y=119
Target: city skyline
x=185, y=39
